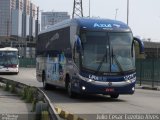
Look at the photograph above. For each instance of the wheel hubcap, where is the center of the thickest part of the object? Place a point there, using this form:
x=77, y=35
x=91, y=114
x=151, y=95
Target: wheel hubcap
x=69, y=89
x=44, y=83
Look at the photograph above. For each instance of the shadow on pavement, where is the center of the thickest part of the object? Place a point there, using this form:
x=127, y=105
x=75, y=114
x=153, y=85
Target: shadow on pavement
x=59, y=95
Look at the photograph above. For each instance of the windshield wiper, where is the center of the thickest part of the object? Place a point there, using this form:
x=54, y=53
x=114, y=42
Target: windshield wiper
x=101, y=62
x=118, y=63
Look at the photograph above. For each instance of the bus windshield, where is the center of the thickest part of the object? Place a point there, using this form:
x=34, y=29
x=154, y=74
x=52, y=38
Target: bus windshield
x=95, y=51
x=107, y=52
x=8, y=58
x=121, y=44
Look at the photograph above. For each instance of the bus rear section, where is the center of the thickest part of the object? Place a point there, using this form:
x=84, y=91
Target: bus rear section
x=9, y=62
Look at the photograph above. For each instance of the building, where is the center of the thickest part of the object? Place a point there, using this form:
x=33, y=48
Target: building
x=18, y=18
x=28, y=22
x=152, y=49
x=32, y=20
x=28, y=27
x=17, y=26
x=6, y=8
x=51, y=18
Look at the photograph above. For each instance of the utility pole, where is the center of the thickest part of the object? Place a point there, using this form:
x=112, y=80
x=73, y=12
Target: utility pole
x=116, y=14
x=77, y=9
x=127, y=11
x=7, y=29
x=89, y=8
x=37, y=24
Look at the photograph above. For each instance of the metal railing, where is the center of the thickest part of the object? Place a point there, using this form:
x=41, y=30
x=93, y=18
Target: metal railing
x=148, y=72
x=27, y=62
x=52, y=112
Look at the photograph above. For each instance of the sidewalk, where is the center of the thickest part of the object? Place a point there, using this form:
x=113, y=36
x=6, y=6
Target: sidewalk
x=149, y=87
x=12, y=107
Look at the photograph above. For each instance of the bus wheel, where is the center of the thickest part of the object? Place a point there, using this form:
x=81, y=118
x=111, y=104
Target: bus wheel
x=16, y=73
x=114, y=95
x=69, y=90
x=45, y=85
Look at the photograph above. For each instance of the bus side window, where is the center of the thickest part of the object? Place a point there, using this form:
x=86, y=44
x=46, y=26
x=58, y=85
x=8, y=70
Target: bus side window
x=76, y=56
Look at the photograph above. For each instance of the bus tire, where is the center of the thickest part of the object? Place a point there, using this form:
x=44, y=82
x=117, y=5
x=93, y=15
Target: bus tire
x=45, y=84
x=114, y=95
x=71, y=94
x=16, y=73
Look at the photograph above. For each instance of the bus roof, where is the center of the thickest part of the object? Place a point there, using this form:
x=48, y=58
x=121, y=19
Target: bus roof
x=102, y=24
x=59, y=25
x=90, y=24
x=8, y=49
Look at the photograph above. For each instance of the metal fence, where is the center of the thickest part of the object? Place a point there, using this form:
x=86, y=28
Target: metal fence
x=27, y=62
x=148, y=72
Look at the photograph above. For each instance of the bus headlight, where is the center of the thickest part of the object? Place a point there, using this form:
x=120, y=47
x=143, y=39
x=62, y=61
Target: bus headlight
x=83, y=88
x=129, y=81
x=90, y=80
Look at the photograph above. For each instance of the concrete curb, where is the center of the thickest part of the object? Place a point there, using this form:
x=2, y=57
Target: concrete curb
x=40, y=95
x=147, y=87
x=66, y=115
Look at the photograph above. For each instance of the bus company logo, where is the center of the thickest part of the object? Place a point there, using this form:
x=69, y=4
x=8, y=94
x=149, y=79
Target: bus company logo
x=93, y=77
x=129, y=77
x=109, y=84
x=102, y=25
x=116, y=25
x=54, y=37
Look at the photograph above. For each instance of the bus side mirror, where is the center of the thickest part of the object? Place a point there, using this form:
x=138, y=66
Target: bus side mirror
x=78, y=45
x=19, y=57
x=139, y=48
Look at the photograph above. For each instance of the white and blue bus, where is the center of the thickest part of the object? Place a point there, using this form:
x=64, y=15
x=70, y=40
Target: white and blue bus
x=9, y=61
x=88, y=56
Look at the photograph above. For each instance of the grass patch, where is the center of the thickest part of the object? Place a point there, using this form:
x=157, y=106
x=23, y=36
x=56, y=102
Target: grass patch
x=13, y=88
x=45, y=115
x=7, y=87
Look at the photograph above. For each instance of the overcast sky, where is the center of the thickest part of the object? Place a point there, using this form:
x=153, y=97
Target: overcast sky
x=144, y=15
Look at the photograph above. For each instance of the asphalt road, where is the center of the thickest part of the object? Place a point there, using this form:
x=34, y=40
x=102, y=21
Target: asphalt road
x=25, y=75
x=142, y=102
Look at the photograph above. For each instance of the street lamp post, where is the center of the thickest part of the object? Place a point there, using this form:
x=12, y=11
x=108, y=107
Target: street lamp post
x=127, y=11
x=116, y=14
x=37, y=24
x=89, y=8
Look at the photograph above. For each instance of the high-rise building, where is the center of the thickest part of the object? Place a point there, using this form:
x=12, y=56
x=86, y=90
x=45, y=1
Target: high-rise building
x=51, y=18
x=32, y=20
x=17, y=25
x=18, y=18
x=6, y=8
x=25, y=18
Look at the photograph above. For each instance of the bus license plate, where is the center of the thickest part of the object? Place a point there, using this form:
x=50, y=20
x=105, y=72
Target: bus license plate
x=109, y=89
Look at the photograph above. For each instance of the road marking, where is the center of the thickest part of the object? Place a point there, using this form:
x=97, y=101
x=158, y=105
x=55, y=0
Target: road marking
x=66, y=115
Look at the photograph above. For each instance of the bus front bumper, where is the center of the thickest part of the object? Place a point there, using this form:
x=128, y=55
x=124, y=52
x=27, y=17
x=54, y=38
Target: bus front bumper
x=9, y=70
x=105, y=88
